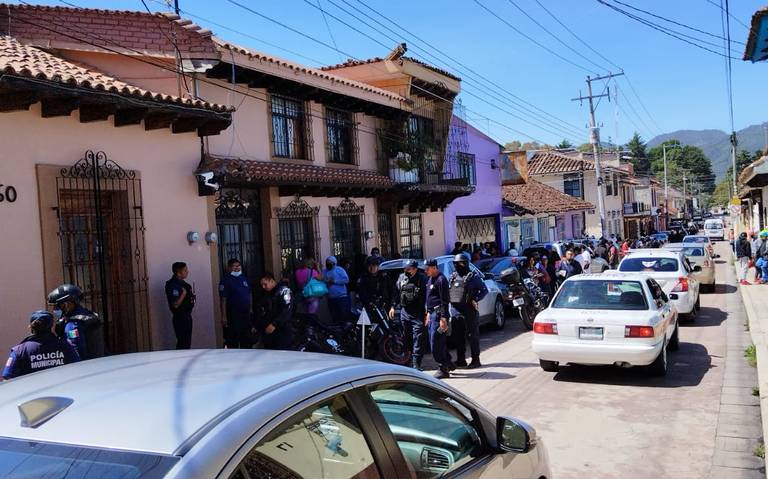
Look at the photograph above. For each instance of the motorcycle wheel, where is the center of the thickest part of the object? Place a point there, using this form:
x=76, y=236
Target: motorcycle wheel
x=527, y=317
x=394, y=349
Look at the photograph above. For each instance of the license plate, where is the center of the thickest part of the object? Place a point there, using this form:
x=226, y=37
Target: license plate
x=518, y=302
x=595, y=334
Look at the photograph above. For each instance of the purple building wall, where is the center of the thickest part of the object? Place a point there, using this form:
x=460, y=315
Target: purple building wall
x=484, y=204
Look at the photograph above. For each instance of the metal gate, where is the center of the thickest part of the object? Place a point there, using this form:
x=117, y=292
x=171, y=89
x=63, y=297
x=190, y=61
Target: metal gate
x=347, y=225
x=238, y=220
x=101, y=230
x=410, y=236
x=298, y=238
x=476, y=229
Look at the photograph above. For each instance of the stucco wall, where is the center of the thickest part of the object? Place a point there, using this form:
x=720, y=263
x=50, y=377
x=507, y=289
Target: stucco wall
x=171, y=208
x=433, y=234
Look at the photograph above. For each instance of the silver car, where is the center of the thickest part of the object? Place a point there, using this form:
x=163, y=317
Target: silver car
x=246, y=414
x=698, y=255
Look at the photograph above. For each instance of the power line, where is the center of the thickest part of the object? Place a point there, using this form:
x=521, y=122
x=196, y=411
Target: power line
x=712, y=2
x=327, y=25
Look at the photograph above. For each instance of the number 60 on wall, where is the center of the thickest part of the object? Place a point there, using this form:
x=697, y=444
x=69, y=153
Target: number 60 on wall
x=7, y=193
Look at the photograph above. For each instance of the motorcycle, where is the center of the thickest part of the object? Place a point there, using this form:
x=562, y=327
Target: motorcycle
x=526, y=296
x=385, y=337
x=316, y=337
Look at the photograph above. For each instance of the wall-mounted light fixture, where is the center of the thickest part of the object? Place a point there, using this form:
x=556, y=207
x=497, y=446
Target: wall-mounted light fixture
x=211, y=237
x=494, y=165
x=193, y=237
x=369, y=235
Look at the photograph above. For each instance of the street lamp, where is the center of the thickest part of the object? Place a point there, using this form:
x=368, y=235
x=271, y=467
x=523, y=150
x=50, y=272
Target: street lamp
x=666, y=185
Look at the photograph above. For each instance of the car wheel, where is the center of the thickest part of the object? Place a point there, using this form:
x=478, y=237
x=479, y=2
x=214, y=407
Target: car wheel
x=499, y=316
x=549, y=366
x=674, y=342
x=659, y=365
x=527, y=316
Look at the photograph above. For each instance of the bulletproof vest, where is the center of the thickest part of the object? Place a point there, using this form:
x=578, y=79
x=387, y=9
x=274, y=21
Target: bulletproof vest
x=457, y=288
x=409, y=291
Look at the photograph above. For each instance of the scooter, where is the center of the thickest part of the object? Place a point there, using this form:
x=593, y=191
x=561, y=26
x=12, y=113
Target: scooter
x=525, y=298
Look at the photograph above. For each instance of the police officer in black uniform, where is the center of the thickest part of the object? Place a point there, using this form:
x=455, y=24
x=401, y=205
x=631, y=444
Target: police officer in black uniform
x=181, y=300
x=466, y=290
x=276, y=313
x=75, y=323
x=235, y=295
x=410, y=297
x=373, y=288
x=438, y=319
x=41, y=350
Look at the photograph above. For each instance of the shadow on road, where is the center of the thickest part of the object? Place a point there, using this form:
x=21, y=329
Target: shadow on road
x=724, y=289
x=512, y=365
x=708, y=316
x=687, y=368
x=460, y=373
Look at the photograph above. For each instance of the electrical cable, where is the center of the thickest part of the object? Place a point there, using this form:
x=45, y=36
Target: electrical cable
x=712, y=2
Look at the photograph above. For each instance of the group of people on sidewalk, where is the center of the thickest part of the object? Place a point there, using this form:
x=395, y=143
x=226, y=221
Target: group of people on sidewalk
x=752, y=251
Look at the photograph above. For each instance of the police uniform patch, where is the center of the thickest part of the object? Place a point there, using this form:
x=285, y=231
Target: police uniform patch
x=73, y=333
x=175, y=292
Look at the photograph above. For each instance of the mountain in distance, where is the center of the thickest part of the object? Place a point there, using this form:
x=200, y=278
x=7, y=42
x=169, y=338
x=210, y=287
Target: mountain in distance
x=716, y=144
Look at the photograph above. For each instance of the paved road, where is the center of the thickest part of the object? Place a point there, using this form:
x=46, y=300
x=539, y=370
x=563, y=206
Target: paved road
x=606, y=422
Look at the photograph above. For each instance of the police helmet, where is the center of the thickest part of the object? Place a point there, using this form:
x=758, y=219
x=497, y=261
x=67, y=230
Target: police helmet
x=460, y=258
x=64, y=293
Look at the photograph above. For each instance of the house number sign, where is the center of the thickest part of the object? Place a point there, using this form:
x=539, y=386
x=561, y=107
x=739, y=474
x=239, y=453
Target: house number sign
x=7, y=194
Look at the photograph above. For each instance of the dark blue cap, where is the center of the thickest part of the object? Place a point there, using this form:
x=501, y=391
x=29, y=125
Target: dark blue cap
x=44, y=317
x=411, y=264
x=432, y=262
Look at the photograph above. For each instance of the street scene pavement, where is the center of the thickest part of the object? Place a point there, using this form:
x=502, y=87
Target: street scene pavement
x=608, y=422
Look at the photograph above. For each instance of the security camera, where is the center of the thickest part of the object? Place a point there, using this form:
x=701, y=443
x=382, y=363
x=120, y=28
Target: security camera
x=205, y=184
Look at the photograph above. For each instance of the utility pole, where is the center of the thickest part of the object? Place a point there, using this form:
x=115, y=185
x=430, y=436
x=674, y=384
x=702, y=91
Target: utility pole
x=685, y=198
x=594, y=139
x=666, y=185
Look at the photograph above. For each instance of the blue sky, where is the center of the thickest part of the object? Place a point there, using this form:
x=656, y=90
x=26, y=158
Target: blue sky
x=681, y=86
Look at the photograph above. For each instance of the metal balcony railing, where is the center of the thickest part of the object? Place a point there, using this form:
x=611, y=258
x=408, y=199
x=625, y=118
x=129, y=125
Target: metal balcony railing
x=429, y=172
x=636, y=209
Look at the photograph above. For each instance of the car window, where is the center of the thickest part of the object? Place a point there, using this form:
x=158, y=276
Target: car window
x=501, y=266
x=695, y=239
x=693, y=251
x=601, y=294
x=657, y=293
x=435, y=433
x=322, y=442
x=649, y=265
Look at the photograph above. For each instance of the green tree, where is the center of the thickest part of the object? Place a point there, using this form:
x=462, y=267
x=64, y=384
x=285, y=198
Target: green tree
x=743, y=160
x=637, y=149
x=564, y=145
x=689, y=161
x=517, y=145
x=722, y=194
x=585, y=148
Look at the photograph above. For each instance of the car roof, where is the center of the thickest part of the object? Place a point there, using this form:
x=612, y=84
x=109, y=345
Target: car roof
x=164, y=401
x=609, y=275
x=654, y=252
x=399, y=264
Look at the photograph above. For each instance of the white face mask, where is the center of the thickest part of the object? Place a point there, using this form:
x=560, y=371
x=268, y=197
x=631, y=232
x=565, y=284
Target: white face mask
x=236, y=273
x=57, y=313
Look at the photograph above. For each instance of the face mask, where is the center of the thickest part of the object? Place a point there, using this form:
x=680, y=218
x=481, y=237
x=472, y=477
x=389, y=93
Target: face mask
x=57, y=313
x=236, y=273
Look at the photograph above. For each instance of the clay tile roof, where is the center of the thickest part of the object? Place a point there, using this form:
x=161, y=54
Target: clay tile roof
x=353, y=63
x=753, y=50
x=277, y=174
x=133, y=31
x=550, y=162
x=537, y=198
x=34, y=64
x=256, y=55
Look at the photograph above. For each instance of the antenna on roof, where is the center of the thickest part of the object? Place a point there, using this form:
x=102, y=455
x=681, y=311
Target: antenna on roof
x=397, y=52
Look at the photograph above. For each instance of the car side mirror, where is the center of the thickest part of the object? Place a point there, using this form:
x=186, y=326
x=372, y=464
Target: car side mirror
x=488, y=276
x=696, y=269
x=674, y=296
x=513, y=435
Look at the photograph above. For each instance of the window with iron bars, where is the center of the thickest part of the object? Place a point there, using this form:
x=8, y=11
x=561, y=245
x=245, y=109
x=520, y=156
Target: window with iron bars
x=410, y=236
x=466, y=166
x=341, y=139
x=289, y=128
x=572, y=185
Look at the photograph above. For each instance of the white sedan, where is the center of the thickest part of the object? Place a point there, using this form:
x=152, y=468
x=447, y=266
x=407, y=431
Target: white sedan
x=611, y=318
x=672, y=271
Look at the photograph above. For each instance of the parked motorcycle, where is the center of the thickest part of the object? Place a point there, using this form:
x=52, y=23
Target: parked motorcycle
x=385, y=337
x=526, y=296
x=316, y=337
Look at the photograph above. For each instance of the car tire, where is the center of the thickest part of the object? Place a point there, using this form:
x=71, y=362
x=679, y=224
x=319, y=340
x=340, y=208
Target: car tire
x=549, y=366
x=527, y=317
x=659, y=365
x=499, y=315
x=674, y=341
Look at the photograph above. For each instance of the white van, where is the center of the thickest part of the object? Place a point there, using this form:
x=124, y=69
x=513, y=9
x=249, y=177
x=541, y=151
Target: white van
x=714, y=229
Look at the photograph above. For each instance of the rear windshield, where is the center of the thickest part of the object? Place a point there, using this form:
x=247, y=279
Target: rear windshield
x=25, y=459
x=649, y=265
x=693, y=251
x=695, y=239
x=601, y=294
x=713, y=226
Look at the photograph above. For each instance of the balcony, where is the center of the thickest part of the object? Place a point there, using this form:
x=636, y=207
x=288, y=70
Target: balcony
x=637, y=209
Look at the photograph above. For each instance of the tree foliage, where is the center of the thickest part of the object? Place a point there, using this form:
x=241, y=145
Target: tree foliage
x=743, y=160
x=722, y=193
x=639, y=154
x=683, y=161
x=564, y=145
x=517, y=145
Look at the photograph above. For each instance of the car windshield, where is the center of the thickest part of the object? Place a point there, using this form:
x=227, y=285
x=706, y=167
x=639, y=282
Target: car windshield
x=601, y=294
x=26, y=459
x=713, y=226
x=649, y=265
x=695, y=239
x=693, y=251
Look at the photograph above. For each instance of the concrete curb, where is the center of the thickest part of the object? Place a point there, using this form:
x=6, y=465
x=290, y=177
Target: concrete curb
x=758, y=325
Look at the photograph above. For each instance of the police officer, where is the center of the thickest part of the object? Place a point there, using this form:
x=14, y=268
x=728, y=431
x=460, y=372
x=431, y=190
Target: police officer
x=438, y=319
x=75, y=323
x=410, y=297
x=41, y=350
x=466, y=290
x=235, y=305
x=181, y=300
x=277, y=309
x=373, y=288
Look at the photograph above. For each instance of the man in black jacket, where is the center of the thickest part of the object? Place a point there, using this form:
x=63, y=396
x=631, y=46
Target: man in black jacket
x=373, y=287
x=411, y=297
x=466, y=290
x=276, y=313
x=743, y=254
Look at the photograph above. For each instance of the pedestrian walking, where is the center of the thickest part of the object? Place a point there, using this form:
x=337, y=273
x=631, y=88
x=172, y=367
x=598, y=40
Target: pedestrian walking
x=181, y=301
x=40, y=350
x=466, y=289
x=76, y=323
x=410, y=298
x=276, y=313
x=438, y=319
x=568, y=266
x=235, y=307
x=743, y=255
x=307, y=272
x=337, y=279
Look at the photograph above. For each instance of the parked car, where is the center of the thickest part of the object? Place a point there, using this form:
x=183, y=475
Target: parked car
x=491, y=307
x=660, y=237
x=612, y=318
x=698, y=255
x=250, y=413
x=714, y=229
x=703, y=240
x=672, y=271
